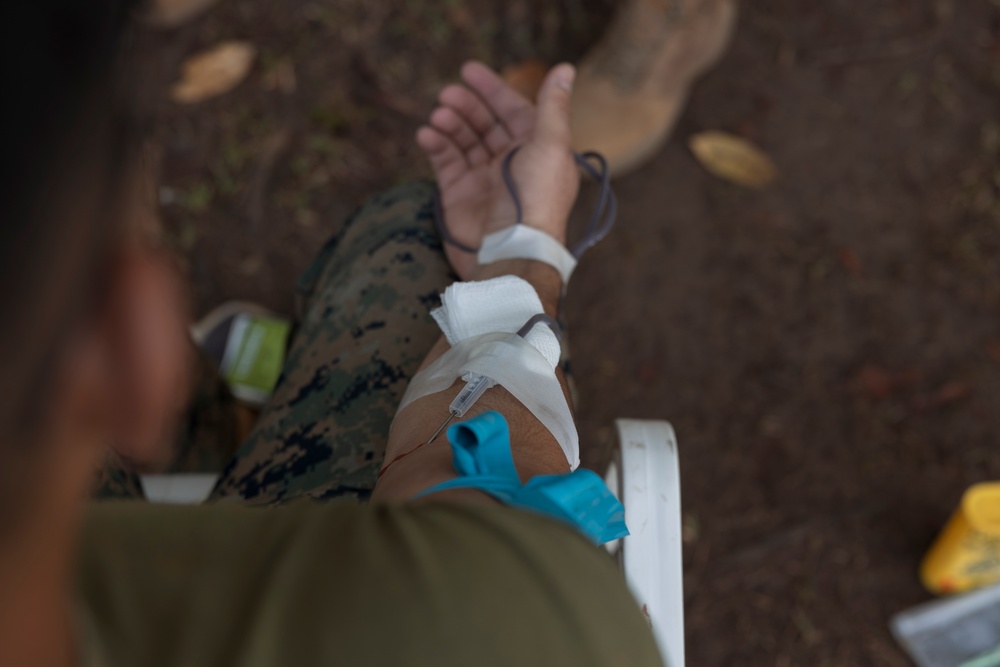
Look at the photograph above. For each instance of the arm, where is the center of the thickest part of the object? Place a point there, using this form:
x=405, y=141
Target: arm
x=421, y=466
x=548, y=182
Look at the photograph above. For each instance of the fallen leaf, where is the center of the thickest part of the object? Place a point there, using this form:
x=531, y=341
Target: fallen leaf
x=271, y=148
x=214, y=72
x=877, y=383
x=251, y=265
x=307, y=217
x=733, y=159
x=851, y=261
x=526, y=77
x=462, y=18
x=689, y=529
x=646, y=373
x=281, y=77
x=173, y=13
x=874, y=382
x=953, y=391
x=993, y=350
x=401, y=104
x=946, y=394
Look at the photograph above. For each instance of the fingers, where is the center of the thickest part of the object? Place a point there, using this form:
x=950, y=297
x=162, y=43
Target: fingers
x=512, y=109
x=465, y=102
x=446, y=158
x=474, y=124
x=451, y=123
x=553, y=126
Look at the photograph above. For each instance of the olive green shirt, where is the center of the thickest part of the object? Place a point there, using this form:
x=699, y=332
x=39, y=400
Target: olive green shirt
x=344, y=584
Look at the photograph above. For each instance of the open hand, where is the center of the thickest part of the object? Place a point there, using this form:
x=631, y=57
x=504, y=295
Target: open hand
x=466, y=139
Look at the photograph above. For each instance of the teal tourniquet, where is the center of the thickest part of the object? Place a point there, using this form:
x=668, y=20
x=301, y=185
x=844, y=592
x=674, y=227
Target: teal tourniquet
x=482, y=457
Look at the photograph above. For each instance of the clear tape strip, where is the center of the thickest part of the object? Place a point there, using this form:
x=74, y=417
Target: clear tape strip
x=515, y=365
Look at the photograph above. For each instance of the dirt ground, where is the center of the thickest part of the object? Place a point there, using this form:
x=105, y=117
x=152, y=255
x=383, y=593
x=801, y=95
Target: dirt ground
x=827, y=350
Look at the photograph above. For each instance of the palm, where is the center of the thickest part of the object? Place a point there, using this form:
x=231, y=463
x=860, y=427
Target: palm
x=471, y=197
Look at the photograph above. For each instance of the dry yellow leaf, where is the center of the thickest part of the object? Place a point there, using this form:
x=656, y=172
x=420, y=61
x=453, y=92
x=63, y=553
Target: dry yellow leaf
x=214, y=72
x=733, y=159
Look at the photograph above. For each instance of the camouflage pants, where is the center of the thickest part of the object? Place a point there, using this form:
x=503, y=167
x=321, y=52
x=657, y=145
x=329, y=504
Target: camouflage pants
x=363, y=329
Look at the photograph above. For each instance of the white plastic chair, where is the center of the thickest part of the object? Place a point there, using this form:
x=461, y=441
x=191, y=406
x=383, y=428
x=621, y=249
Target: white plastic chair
x=645, y=476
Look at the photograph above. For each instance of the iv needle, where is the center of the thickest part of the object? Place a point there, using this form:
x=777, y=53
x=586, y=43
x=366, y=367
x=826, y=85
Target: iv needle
x=474, y=388
x=441, y=427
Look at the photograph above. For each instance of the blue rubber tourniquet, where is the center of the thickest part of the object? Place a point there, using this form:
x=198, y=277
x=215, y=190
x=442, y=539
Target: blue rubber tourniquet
x=481, y=456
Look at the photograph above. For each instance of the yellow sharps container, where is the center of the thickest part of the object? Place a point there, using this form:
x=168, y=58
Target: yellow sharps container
x=966, y=554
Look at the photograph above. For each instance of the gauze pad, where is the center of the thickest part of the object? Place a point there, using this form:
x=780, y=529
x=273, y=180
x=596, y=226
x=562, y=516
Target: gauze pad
x=502, y=304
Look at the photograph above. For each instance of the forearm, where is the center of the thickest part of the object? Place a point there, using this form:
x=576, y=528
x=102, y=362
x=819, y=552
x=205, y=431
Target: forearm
x=414, y=466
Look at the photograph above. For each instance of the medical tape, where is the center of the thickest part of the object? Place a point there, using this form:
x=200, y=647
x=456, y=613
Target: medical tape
x=524, y=242
x=519, y=368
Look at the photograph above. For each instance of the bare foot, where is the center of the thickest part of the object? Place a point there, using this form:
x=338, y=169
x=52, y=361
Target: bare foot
x=466, y=139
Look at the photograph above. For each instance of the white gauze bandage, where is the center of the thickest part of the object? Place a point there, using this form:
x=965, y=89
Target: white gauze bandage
x=524, y=242
x=480, y=320
x=502, y=304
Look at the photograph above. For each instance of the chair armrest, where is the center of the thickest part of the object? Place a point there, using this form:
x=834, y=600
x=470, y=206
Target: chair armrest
x=646, y=478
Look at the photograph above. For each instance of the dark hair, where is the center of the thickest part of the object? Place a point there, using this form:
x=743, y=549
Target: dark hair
x=61, y=136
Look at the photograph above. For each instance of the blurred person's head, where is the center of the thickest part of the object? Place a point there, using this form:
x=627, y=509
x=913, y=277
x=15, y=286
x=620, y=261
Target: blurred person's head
x=91, y=345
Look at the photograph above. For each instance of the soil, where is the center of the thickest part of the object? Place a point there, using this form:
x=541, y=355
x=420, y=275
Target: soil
x=828, y=350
